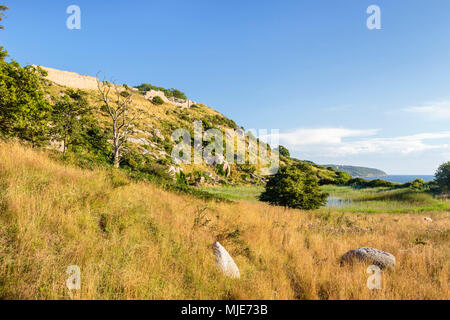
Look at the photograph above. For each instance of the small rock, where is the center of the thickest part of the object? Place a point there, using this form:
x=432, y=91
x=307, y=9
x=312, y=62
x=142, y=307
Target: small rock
x=173, y=171
x=159, y=134
x=225, y=262
x=428, y=219
x=374, y=256
x=210, y=175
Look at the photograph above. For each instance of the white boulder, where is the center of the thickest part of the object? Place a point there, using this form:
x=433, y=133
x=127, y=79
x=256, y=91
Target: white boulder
x=225, y=262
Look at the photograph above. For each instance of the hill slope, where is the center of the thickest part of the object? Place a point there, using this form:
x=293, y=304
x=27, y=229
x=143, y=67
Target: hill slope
x=136, y=241
x=361, y=172
x=151, y=138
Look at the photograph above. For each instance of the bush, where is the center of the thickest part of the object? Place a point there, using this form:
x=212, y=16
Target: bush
x=295, y=187
x=284, y=152
x=342, y=177
x=443, y=177
x=361, y=183
x=418, y=184
x=157, y=100
x=380, y=183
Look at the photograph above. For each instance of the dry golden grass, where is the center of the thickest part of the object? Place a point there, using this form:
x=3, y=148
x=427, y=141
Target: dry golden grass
x=135, y=241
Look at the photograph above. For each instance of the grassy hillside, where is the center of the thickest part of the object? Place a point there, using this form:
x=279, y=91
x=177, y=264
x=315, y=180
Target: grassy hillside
x=136, y=241
x=151, y=139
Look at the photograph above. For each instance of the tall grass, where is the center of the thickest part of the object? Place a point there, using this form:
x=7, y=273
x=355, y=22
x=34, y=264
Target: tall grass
x=133, y=240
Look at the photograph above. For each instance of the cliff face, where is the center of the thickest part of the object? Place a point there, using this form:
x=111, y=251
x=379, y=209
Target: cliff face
x=71, y=79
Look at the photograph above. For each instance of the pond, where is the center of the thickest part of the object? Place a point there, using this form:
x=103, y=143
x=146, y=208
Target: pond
x=336, y=202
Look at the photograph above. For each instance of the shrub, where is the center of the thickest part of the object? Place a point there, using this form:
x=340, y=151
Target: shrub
x=418, y=184
x=284, y=152
x=181, y=179
x=361, y=183
x=443, y=177
x=295, y=187
x=380, y=183
x=342, y=177
x=247, y=168
x=157, y=100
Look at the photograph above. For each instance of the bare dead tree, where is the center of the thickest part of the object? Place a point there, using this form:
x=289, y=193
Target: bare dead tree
x=117, y=102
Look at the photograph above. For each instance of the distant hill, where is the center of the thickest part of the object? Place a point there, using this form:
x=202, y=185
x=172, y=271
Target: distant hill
x=361, y=172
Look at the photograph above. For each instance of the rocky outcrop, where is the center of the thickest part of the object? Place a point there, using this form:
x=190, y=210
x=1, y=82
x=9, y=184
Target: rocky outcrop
x=225, y=262
x=149, y=95
x=377, y=257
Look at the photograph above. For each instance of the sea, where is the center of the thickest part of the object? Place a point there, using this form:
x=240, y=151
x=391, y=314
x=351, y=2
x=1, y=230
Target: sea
x=403, y=178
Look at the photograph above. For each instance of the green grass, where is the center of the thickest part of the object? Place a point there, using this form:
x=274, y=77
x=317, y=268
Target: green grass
x=367, y=200
x=372, y=200
x=249, y=193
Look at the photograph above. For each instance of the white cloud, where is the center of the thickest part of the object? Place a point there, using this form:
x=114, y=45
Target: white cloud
x=301, y=137
x=337, y=142
x=436, y=111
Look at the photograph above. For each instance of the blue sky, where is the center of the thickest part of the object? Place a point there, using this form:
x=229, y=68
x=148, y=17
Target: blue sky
x=339, y=92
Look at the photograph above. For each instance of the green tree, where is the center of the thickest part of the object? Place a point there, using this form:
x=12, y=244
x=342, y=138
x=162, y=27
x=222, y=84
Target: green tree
x=443, y=177
x=178, y=94
x=294, y=186
x=70, y=118
x=3, y=53
x=284, y=152
x=3, y=8
x=24, y=111
x=342, y=177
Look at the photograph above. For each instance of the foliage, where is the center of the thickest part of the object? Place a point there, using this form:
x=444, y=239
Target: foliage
x=181, y=179
x=3, y=54
x=3, y=8
x=376, y=183
x=24, y=111
x=178, y=94
x=283, y=151
x=70, y=118
x=295, y=187
x=169, y=93
x=246, y=167
x=417, y=184
x=443, y=177
x=342, y=177
x=157, y=100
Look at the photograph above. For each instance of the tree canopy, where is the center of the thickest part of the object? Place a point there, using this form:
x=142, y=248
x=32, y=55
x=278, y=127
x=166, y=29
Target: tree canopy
x=296, y=187
x=24, y=111
x=443, y=177
x=3, y=53
x=3, y=8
